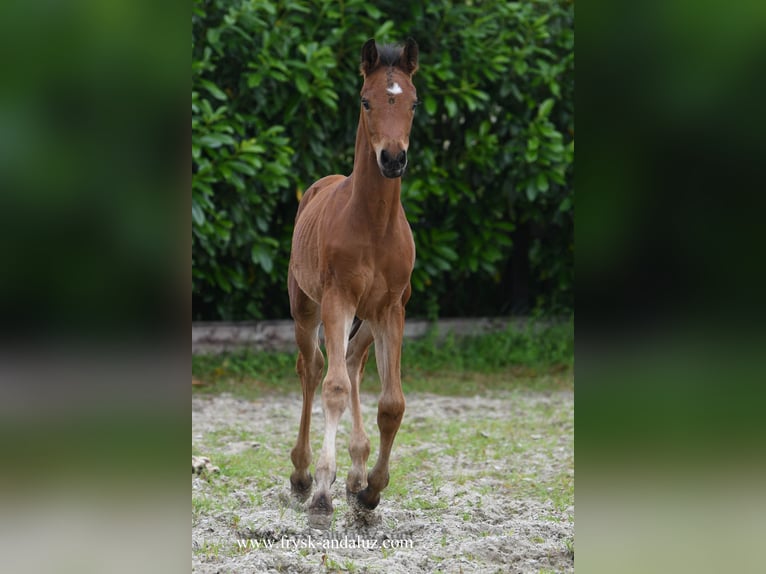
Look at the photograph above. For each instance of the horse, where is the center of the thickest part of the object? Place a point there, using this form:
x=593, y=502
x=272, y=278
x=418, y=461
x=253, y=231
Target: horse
x=351, y=261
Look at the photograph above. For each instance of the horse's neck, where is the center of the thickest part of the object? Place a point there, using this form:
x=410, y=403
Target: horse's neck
x=373, y=196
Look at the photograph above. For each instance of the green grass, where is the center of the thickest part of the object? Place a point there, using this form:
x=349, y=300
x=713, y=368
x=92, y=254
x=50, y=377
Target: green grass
x=492, y=450
x=539, y=358
x=536, y=346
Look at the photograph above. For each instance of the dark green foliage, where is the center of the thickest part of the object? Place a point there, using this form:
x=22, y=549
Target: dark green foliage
x=489, y=192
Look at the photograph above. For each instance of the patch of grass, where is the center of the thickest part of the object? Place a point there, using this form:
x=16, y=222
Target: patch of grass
x=540, y=357
x=257, y=467
x=218, y=501
x=538, y=345
x=570, y=547
x=561, y=491
x=510, y=451
x=257, y=372
x=202, y=505
x=436, y=483
x=421, y=503
x=211, y=549
x=332, y=565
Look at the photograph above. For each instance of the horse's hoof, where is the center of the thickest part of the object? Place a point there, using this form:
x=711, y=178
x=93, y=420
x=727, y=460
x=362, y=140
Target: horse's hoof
x=301, y=488
x=367, y=499
x=319, y=520
x=353, y=487
x=321, y=503
x=320, y=511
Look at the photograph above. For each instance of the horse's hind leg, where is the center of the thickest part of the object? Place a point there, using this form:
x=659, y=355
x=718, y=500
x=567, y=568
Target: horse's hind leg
x=309, y=367
x=359, y=447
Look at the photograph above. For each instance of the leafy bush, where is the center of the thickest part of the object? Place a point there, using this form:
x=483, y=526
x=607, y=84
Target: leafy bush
x=489, y=192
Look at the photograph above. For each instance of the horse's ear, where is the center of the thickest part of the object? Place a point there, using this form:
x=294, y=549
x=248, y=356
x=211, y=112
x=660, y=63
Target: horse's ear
x=409, y=60
x=369, y=57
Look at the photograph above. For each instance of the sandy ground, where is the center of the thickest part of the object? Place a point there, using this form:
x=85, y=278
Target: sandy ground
x=462, y=514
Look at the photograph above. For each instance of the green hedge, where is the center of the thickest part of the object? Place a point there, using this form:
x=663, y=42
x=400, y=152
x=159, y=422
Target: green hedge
x=489, y=190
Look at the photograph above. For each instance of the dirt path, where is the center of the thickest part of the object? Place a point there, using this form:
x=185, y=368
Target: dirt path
x=478, y=484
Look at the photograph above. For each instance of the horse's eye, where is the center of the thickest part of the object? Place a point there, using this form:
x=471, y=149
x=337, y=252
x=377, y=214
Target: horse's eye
x=416, y=104
x=365, y=104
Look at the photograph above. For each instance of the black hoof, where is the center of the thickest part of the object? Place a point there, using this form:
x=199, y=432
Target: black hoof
x=351, y=495
x=367, y=499
x=301, y=488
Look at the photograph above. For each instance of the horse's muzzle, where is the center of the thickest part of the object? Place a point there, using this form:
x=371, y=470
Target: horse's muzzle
x=392, y=166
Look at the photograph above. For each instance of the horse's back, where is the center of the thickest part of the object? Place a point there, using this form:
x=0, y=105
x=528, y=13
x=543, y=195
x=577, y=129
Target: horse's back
x=317, y=187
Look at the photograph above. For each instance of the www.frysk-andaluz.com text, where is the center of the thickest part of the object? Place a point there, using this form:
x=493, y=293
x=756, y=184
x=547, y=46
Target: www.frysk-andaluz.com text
x=321, y=543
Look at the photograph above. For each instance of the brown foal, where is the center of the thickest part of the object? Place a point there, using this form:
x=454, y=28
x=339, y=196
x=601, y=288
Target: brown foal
x=352, y=255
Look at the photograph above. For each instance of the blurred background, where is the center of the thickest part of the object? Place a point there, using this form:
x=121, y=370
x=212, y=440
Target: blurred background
x=94, y=271
x=670, y=332
x=92, y=162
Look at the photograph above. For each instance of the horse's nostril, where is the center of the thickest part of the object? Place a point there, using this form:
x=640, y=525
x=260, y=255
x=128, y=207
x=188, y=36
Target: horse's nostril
x=394, y=162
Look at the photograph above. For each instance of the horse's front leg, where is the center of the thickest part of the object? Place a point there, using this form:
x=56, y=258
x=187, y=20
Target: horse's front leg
x=337, y=316
x=359, y=446
x=388, y=350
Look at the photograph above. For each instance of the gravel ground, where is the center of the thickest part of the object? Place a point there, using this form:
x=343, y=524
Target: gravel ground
x=482, y=499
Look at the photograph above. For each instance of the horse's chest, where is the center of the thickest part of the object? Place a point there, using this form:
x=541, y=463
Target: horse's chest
x=372, y=278
x=386, y=284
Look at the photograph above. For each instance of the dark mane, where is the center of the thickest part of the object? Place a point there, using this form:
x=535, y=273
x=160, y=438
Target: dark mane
x=389, y=54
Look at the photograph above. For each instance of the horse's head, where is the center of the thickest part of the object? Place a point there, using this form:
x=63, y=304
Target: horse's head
x=388, y=102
